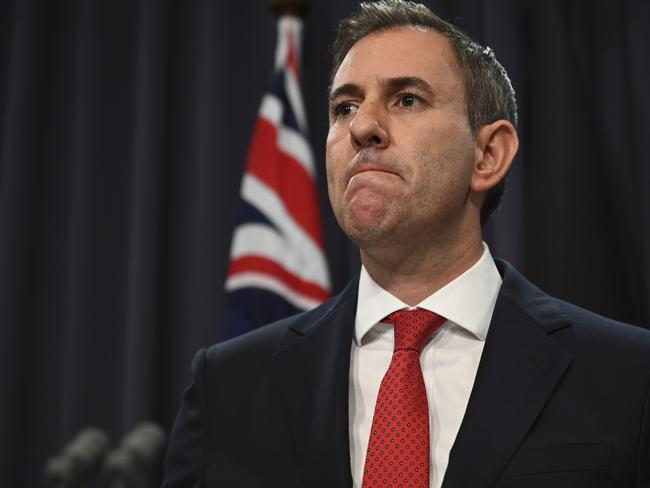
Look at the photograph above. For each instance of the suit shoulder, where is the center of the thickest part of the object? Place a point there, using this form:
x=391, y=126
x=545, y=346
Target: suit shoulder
x=591, y=325
x=265, y=338
x=269, y=338
x=589, y=329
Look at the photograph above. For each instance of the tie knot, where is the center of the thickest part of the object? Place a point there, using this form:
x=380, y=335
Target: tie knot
x=413, y=327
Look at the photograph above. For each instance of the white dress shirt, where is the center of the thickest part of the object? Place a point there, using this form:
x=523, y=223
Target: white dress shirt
x=449, y=361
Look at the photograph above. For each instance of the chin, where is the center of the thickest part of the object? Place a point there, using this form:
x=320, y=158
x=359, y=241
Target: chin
x=367, y=229
x=368, y=220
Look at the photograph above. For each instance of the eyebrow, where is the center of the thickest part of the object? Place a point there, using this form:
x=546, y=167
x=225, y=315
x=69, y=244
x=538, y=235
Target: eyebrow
x=402, y=82
x=393, y=85
x=347, y=89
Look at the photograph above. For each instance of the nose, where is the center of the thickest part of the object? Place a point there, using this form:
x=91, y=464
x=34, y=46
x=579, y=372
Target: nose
x=368, y=127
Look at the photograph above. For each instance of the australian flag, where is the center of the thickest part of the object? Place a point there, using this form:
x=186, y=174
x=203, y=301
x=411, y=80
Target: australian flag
x=277, y=261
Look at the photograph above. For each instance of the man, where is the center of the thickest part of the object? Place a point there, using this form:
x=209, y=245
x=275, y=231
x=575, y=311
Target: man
x=503, y=385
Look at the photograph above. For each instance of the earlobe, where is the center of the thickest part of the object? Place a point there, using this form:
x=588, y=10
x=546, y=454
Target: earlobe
x=496, y=146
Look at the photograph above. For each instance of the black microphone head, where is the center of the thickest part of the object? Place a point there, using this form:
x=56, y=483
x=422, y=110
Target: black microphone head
x=79, y=459
x=138, y=454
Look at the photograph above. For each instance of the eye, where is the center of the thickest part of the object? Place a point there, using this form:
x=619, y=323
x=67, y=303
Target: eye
x=408, y=100
x=344, y=109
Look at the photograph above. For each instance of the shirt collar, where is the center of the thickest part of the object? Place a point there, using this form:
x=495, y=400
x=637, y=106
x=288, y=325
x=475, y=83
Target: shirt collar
x=467, y=301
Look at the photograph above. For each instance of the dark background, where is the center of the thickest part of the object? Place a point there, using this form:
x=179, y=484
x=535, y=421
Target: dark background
x=124, y=126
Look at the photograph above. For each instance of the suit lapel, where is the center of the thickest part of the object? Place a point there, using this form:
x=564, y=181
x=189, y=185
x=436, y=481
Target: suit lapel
x=522, y=363
x=312, y=373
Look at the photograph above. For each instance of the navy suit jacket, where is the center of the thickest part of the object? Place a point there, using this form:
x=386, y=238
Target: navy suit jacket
x=560, y=400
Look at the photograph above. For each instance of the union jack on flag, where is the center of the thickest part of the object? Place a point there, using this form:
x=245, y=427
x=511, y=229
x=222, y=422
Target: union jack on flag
x=277, y=262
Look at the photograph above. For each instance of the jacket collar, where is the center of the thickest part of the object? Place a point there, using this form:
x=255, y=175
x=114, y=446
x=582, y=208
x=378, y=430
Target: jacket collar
x=312, y=373
x=526, y=355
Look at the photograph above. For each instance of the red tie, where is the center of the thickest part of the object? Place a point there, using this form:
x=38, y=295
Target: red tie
x=398, y=449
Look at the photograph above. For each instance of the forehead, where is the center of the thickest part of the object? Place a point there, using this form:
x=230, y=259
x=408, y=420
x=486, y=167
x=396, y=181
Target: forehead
x=399, y=52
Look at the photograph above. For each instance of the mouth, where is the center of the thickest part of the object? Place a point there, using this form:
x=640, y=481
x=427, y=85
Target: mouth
x=369, y=178
x=370, y=169
x=361, y=164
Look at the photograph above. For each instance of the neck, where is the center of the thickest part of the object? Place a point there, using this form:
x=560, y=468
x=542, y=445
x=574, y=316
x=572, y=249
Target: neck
x=412, y=275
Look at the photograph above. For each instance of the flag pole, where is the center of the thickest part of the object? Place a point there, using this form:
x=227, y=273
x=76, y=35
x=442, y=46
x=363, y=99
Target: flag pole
x=290, y=7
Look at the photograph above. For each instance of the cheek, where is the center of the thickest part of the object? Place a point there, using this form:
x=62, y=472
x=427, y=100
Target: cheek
x=336, y=159
x=330, y=169
x=445, y=167
x=451, y=147
x=334, y=184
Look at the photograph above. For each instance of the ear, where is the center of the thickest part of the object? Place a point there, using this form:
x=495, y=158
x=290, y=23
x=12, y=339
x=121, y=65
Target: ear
x=496, y=146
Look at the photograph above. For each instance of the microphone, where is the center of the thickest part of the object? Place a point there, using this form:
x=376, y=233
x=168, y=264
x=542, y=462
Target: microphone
x=136, y=461
x=79, y=459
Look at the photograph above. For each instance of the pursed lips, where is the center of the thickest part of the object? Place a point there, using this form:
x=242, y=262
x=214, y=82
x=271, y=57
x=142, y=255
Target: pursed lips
x=370, y=160
x=365, y=169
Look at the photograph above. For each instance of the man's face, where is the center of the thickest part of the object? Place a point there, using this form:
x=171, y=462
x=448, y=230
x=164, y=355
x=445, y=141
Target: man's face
x=400, y=151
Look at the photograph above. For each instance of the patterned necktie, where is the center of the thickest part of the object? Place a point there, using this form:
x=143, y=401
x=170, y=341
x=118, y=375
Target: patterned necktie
x=398, y=450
